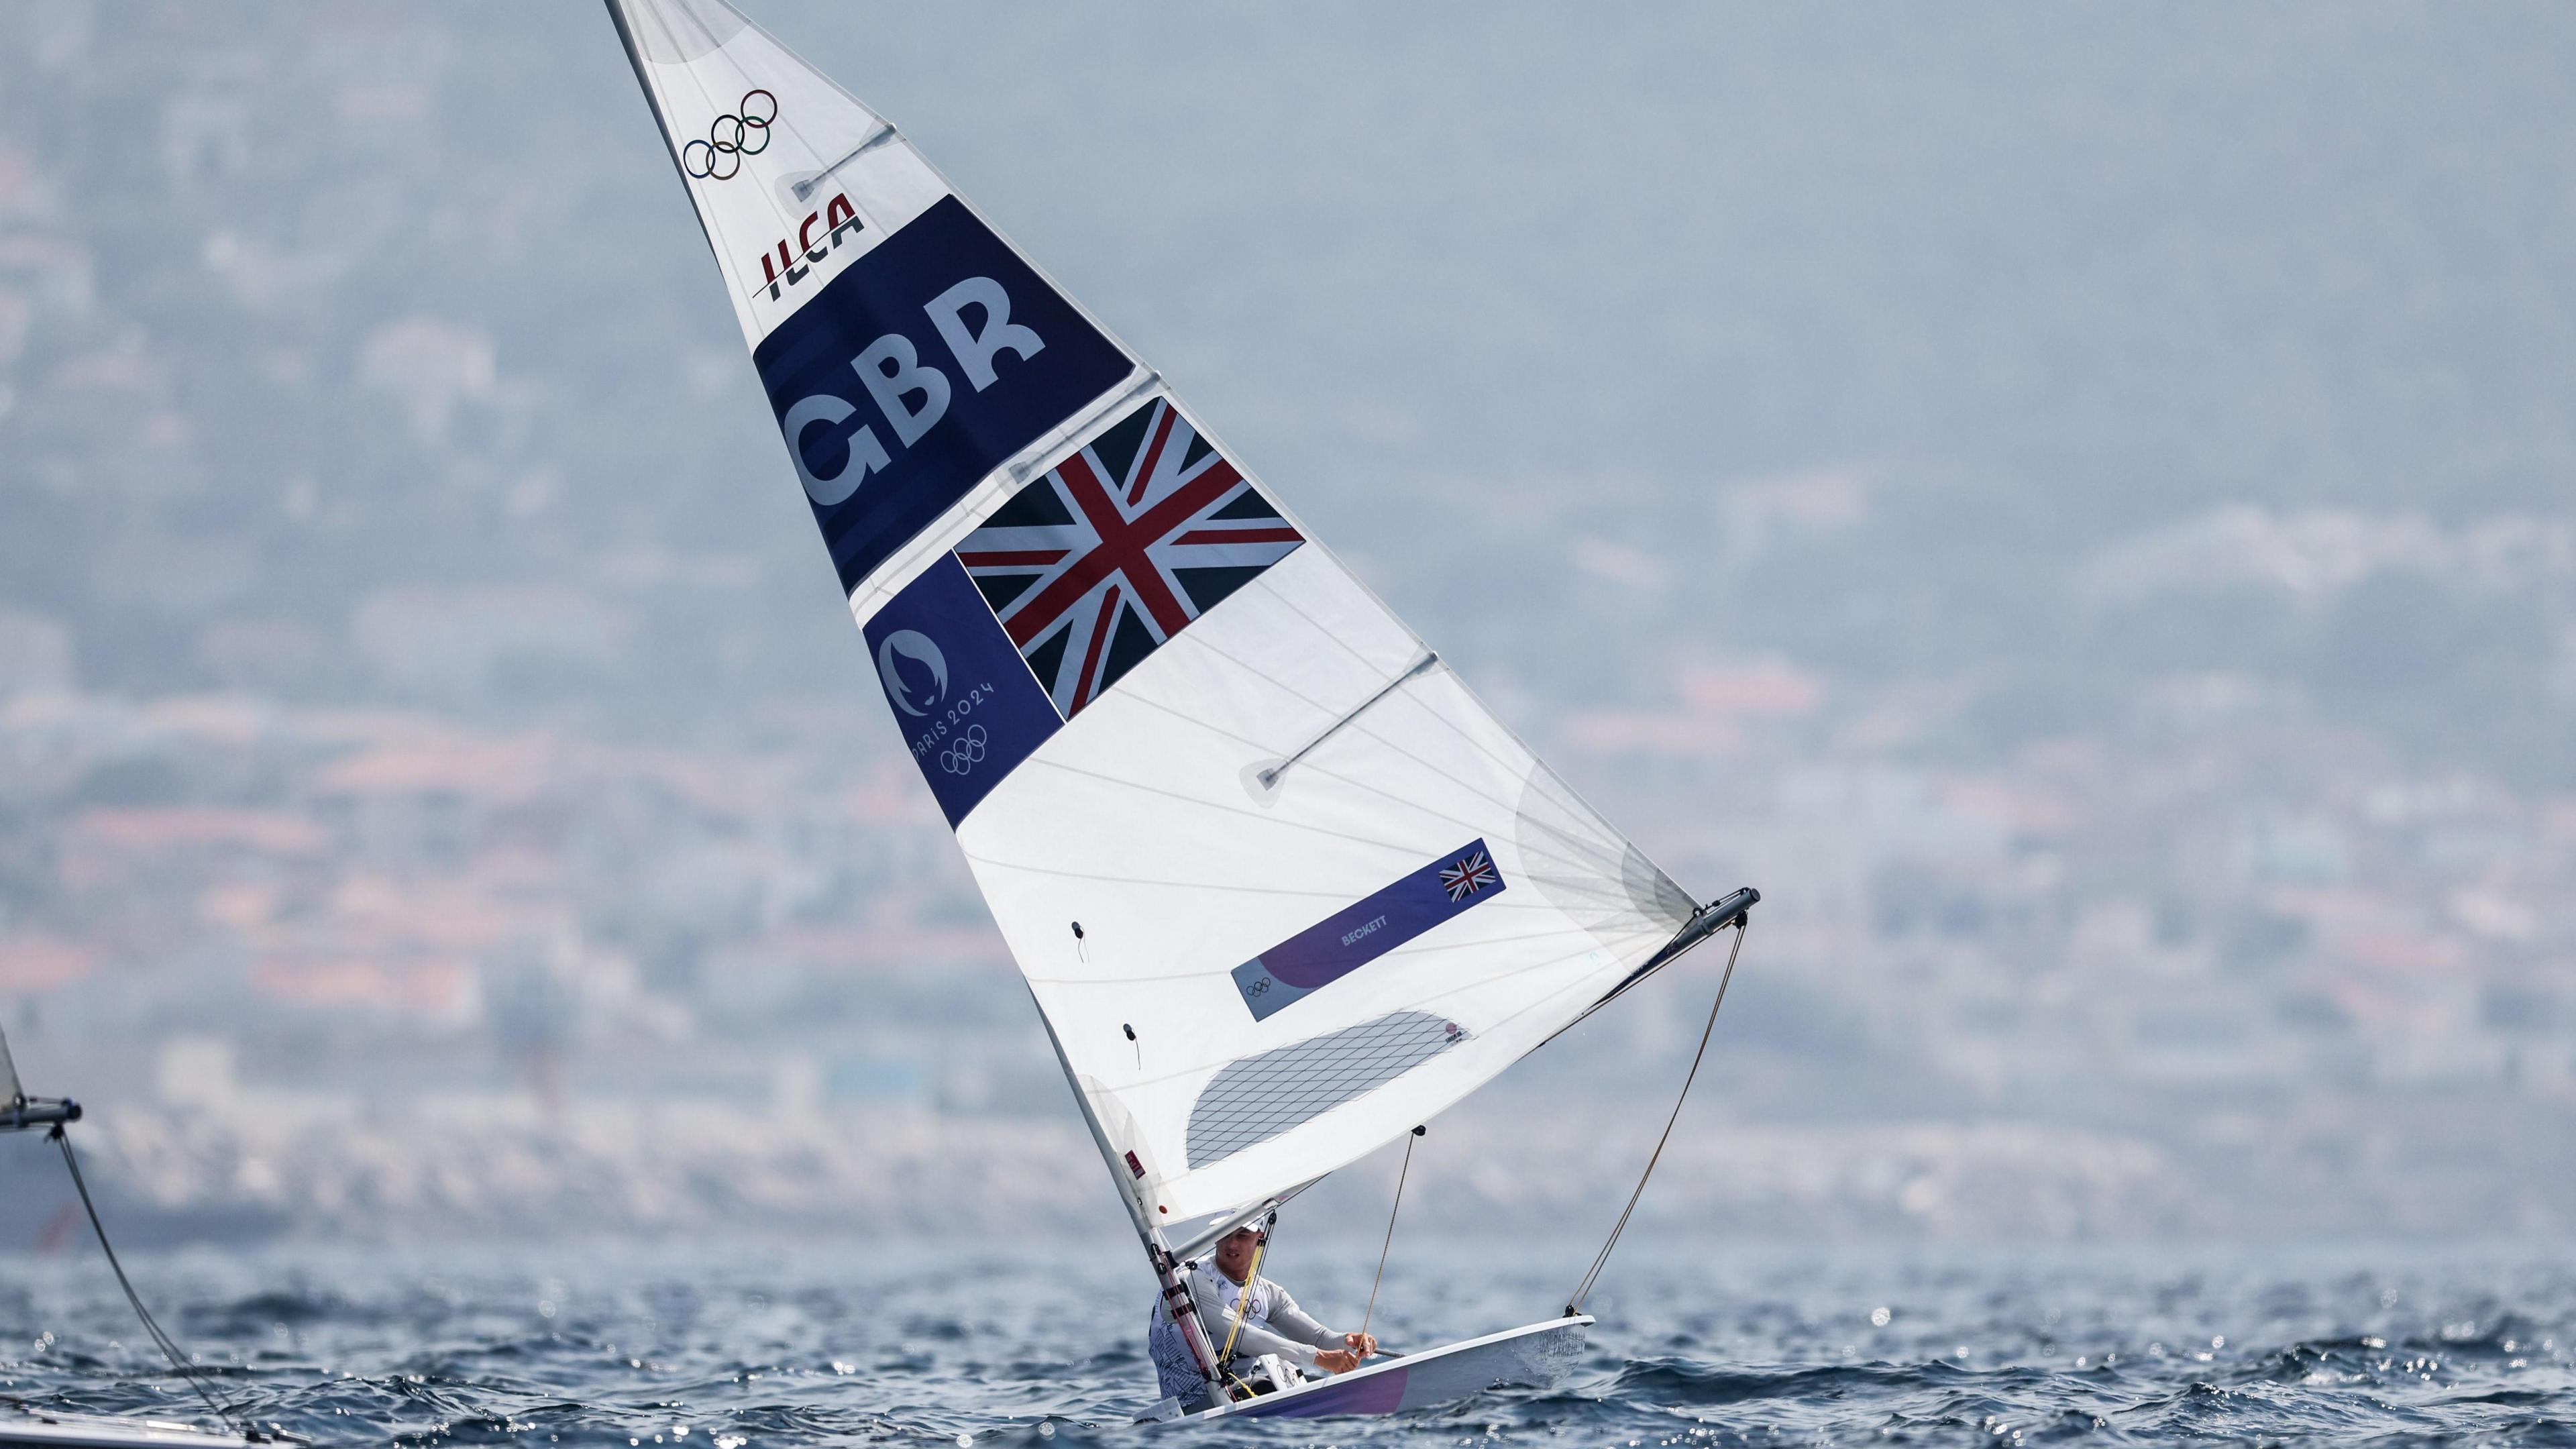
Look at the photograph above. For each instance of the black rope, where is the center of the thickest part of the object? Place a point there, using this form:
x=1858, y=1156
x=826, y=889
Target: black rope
x=1391, y=1211
x=1583, y=1290
x=179, y=1361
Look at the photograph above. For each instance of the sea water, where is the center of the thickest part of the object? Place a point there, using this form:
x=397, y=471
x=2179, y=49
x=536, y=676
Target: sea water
x=683, y=1346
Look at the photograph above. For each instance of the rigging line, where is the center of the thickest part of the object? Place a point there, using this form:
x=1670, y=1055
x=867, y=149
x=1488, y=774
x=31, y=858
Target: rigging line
x=1577, y=847
x=1218, y=805
x=1320, y=627
x=885, y=132
x=998, y=863
x=1265, y=676
x=1520, y=769
x=1484, y=983
x=1290, y=605
x=1523, y=770
x=1312, y=702
x=1409, y=802
x=1494, y=1027
x=1583, y=1290
x=1401, y=1174
x=1537, y=768
x=178, y=1361
x=1627, y=983
x=1271, y=588
x=1271, y=776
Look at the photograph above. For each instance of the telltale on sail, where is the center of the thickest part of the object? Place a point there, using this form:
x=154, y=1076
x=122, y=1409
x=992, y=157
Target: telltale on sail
x=1321, y=891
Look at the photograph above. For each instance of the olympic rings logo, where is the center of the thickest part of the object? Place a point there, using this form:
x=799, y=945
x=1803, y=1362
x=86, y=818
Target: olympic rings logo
x=965, y=753
x=730, y=138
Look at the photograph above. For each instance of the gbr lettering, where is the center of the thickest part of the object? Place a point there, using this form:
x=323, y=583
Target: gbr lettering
x=910, y=394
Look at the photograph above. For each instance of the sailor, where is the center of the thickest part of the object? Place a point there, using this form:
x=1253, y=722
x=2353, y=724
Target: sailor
x=1271, y=1321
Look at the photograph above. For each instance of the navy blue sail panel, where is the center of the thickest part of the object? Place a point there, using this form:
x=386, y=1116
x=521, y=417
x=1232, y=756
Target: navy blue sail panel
x=969, y=711
x=916, y=372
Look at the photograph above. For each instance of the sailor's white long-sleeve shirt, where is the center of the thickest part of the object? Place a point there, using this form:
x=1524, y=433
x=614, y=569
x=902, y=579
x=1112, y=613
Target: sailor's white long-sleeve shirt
x=1272, y=1323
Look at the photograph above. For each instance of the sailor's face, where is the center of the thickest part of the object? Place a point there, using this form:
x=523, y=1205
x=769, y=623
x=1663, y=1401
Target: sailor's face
x=1234, y=1253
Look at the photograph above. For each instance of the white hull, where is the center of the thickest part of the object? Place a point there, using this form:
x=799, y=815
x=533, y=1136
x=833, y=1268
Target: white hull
x=1535, y=1354
x=25, y=1427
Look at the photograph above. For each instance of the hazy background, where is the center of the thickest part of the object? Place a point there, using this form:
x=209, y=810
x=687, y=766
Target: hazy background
x=2072, y=502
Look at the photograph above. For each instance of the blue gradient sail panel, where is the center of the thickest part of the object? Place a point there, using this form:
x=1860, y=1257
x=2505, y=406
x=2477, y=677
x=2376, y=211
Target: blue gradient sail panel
x=1359, y=933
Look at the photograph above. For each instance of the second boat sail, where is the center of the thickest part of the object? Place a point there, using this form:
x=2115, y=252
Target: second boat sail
x=1281, y=886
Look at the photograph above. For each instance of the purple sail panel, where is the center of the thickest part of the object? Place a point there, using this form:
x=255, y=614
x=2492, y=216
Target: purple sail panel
x=969, y=711
x=1359, y=933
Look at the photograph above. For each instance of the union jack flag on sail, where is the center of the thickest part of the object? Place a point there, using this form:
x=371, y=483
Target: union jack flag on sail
x=1467, y=875
x=1097, y=564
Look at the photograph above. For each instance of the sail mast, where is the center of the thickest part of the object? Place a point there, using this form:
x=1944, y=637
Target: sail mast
x=1169, y=1274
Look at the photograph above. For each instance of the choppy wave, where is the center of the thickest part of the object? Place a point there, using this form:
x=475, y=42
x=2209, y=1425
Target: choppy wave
x=670, y=1348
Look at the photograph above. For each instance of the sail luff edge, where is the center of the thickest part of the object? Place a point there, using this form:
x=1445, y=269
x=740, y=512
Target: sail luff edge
x=1145, y=1227
x=662, y=125
x=1166, y=1264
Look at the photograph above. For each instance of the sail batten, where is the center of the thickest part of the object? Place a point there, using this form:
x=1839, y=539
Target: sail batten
x=1324, y=892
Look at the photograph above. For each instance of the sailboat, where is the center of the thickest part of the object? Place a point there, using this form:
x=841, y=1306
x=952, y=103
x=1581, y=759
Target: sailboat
x=1281, y=886
x=27, y=1424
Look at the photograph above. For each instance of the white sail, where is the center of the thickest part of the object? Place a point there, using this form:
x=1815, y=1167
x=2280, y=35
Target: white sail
x=1281, y=886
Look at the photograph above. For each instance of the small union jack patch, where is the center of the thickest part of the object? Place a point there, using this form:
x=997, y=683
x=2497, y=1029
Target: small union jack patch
x=1467, y=875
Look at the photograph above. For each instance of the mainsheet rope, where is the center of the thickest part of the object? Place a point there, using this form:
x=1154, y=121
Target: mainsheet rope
x=179, y=1361
x=1391, y=1211
x=1583, y=1290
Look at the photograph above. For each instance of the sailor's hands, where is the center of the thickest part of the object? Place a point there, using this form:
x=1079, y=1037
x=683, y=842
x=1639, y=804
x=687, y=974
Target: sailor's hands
x=1342, y=1360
